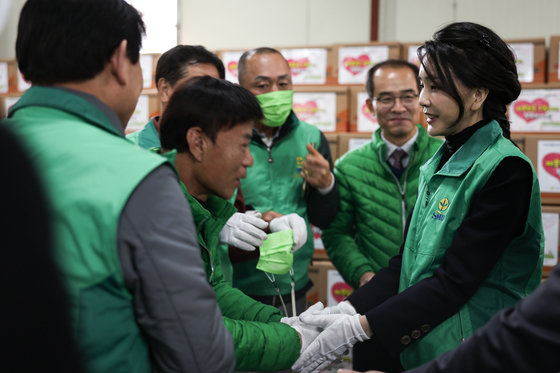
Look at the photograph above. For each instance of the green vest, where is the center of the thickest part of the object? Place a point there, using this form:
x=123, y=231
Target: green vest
x=89, y=171
x=277, y=186
x=444, y=199
x=147, y=137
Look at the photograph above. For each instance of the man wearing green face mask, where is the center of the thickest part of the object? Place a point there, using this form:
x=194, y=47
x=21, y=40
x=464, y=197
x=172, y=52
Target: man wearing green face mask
x=291, y=172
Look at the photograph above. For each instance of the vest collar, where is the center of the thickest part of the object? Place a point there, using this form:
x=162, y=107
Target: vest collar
x=73, y=103
x=464, y=158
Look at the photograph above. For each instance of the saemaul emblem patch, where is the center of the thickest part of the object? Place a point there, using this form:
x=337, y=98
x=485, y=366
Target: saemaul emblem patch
x=443, y=204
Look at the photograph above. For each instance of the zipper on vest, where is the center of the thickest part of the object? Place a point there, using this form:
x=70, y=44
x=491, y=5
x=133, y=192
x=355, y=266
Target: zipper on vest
x=269, y=148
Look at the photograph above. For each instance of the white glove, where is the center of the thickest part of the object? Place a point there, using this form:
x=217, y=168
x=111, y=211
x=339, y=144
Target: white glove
x=343, y=307
x=244, y=230
x=341, y=332
x=307, y=333
x=294, y=222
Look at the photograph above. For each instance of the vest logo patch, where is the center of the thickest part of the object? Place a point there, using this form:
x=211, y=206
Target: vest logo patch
x=299, y=166
x=442, y=206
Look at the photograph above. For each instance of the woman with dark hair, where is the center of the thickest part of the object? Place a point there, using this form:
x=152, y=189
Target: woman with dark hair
x=474, y=241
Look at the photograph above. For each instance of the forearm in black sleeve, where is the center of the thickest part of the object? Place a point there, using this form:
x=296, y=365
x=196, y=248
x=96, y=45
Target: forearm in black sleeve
x=160, y=258
x=322, y=208
x=477, y=245
x=521, y=339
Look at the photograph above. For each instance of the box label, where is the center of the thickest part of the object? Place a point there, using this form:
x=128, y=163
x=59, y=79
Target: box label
x=231, y=59
x=536, y=110
x=366, y=121
x=412, y=56
x=550, y=225
x=337, y=289
x=147, y=64
x=548, y=170
x=4, y=77
x=308, y=65
x=141, y=114
x=318, y=109
x=354, y=62
x=525, y=60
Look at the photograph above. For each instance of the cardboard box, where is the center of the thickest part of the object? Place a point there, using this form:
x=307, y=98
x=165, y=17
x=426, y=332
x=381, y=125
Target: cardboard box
x=544, y=152
x=408, y=52
x=332, y=139
x=313, y=65
x=519, y=140
x=6, y=101
x=328, y=286
x=319, y=253
x=537, y=109
x=351, y=140
x=551, y=217
x=354, y=60
x=553, y=75
x=323, y=106
x=148, y=106
x=11, y=80
x=530, y=60
x=148, y=61
x=360, y=117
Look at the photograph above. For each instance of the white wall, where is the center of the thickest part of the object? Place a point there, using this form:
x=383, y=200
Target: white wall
x=241, y=24
x=409, y=20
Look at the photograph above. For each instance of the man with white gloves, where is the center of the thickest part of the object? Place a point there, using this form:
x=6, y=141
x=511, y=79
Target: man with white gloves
x=206, y=129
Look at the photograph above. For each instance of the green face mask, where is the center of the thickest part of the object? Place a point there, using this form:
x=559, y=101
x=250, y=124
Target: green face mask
x=276, y=253
x=276, y=107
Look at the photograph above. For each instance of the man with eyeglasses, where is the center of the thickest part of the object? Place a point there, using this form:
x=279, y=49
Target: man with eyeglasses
x=378, y=184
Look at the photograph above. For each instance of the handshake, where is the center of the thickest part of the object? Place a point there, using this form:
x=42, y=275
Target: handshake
x=326, y=333
x=246, y=230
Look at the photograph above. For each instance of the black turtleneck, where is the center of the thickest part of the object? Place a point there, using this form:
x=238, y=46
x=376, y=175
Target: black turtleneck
x=454, y=142
x=497, y=214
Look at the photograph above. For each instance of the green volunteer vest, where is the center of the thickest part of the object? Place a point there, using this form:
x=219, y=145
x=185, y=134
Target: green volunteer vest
x=89, y=171
x=443, y=202
x=277, y=186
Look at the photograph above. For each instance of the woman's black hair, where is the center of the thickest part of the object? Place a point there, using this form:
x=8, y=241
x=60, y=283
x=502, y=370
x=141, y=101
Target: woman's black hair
x=209, y=103
x=478, y=58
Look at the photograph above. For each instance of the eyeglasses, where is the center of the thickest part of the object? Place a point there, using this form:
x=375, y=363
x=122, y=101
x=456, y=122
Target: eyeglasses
x=389, y=101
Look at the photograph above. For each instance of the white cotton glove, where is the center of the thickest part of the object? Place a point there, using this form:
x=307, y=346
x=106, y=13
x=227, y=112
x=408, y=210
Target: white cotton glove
x=244, y=230
x=294, y=222
x=340, y=333
x=344, y=308
x=307, y=333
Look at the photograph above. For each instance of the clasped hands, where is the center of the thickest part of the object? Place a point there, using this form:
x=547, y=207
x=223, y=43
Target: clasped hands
x=246, y=230
x=326, y=333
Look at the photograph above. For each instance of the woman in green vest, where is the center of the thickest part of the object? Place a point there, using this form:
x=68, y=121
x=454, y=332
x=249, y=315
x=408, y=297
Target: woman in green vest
x=474, y=241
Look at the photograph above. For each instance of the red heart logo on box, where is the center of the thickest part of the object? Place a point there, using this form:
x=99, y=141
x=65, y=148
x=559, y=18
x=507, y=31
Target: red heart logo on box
x=551, y=164
x=530, y=111
x=356, y=65
x=340, y=291
x=298, y=66
x=305, y=111
x=232, y=68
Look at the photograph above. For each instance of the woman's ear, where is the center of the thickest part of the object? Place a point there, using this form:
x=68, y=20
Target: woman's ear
x=480, y=95
x=196, y=139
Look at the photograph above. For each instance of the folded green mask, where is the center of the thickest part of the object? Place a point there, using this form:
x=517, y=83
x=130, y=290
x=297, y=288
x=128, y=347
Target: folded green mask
x=276, y=253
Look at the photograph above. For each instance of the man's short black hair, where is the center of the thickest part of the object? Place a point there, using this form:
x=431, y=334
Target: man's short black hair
x=172, y=65
x=209, y=103
x=62, y=41
x=395, y=64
